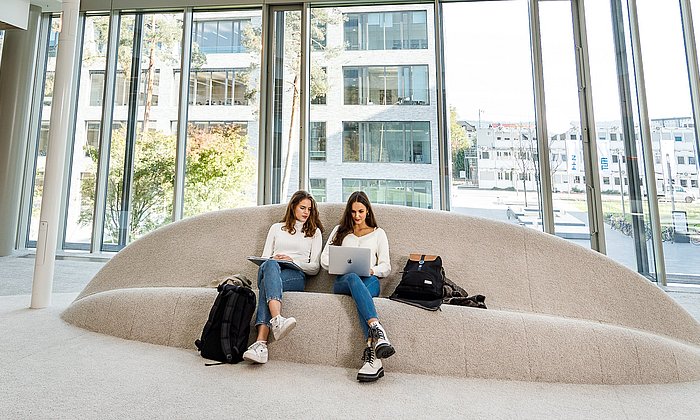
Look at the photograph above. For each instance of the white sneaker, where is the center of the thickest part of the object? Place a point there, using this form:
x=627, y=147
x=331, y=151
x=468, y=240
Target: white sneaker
x=382, y=345
x=281, y=326
x=256, y=353
x=372, y=369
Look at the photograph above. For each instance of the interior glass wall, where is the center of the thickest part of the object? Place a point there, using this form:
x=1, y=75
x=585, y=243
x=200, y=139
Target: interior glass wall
x=284, y=96
x=611, y=139
x=672, y=136
x=222, y=130
x=374, y=105
x=43, y=132
x=492, y=131
x=83, y=172
x=142, y=153
x=567, y=169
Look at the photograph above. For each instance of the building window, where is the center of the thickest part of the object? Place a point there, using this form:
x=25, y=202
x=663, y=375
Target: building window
x=694, y=183
x=390, y=191
x=386, y=30
x=572, y=136
x=684, y=182
x=577, y=179
x=53, y=37
x=485, y=155
x=613, y=136
x=606, y=180
x=97, y=82
x=615, y=158
x=691, y=160
x=319, y=98
x=317, y=187
x=92, y=134
x=386, y=85
x=407, y=142
x=220, y=36
x=319, y=32
x=678, y=138
x=317, y=146
x=681, y=160
x=617, y=180
x=216, y=87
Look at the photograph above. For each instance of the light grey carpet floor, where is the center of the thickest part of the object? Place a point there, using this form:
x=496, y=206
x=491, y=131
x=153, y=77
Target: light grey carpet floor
x=49, y=369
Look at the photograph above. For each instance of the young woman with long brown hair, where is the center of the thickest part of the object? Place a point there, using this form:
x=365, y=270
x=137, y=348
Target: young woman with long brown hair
x=358, y=228
x=297, y=238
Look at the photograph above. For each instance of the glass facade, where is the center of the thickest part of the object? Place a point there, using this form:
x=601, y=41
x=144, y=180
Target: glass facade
x=377, y=84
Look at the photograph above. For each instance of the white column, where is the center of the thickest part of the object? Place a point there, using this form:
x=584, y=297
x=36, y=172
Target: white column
x=16, y=82
x=59, y=133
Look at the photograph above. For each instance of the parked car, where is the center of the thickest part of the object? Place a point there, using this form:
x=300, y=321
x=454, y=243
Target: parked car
x=679, y=194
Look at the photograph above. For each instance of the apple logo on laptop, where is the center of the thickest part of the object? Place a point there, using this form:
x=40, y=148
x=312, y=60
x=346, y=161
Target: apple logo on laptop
x=349, y=260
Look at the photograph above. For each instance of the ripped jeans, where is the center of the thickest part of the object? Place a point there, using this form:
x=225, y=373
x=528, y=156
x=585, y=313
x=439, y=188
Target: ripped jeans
x=272, y=281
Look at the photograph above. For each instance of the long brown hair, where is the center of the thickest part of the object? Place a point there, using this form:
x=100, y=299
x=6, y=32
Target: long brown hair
x=346, y=223
x=290, y=219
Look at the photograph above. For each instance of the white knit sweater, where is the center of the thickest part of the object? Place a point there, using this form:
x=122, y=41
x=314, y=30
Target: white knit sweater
x=376, y=241
x=305, y=251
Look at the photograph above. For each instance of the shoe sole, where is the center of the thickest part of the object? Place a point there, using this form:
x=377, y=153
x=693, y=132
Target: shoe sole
x=286, y=332
x=384, y=351
x=363, y=377
x=251, y=360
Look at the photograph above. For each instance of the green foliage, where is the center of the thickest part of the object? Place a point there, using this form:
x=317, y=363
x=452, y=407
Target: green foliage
x=459, y=142
x=219, y=168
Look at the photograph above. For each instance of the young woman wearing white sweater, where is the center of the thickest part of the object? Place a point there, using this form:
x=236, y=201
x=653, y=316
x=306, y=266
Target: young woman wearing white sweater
x=297, y=238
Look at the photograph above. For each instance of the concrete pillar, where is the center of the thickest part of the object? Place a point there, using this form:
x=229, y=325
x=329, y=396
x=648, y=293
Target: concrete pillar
x=16, y=81
x=59, y=138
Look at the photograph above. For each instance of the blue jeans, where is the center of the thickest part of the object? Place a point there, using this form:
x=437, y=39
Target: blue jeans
x=272, y=281
x=362, y=289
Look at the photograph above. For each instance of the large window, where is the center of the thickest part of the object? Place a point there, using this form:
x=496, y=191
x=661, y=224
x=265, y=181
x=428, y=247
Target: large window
x=220, y=36
x=492, y=130
x=392, y=191
x=386, y=85
x=405, y=30
x=220, y=165
x=407, y=142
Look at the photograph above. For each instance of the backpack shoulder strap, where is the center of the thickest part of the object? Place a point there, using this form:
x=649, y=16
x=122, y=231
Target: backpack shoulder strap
x=226, y=325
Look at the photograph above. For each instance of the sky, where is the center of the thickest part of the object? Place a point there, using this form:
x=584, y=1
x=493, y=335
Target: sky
x=488, y=66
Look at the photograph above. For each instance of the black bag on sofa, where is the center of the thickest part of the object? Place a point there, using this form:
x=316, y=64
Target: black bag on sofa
x=421, y=283
x=225, y=335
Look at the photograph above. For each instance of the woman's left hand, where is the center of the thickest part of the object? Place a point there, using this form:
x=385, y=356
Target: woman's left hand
x=371, y=272
x=282, y=257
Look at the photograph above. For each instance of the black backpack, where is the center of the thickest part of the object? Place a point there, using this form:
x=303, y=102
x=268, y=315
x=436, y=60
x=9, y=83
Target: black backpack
x=422, y=282
x=225, y=335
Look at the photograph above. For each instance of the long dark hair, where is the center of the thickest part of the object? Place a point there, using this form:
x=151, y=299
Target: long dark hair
x=290, y=219
x=346, y=223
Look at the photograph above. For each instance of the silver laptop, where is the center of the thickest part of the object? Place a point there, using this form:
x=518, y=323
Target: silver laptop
x=345, y=259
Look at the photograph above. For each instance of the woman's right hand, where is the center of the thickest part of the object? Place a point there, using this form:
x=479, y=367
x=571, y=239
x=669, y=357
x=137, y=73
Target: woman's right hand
x=282, y=257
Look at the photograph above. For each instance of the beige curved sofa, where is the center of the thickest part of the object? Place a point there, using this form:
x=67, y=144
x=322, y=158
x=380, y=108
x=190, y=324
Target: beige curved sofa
x=557, y=312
